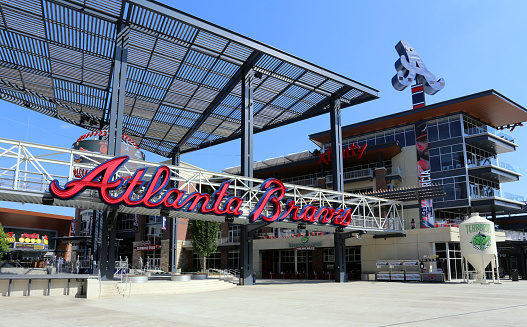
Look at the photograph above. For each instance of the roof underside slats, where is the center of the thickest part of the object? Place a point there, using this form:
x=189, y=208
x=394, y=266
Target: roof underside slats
x=183, y=79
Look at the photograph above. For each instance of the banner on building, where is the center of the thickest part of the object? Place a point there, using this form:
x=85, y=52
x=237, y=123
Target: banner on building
x=423, y=173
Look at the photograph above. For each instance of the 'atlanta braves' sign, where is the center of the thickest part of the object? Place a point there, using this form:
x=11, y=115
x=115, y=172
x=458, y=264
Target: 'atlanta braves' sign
x=134, y=191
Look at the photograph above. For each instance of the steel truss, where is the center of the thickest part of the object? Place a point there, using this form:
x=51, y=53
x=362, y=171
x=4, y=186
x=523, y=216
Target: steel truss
x=173, y=81
x=26, y=170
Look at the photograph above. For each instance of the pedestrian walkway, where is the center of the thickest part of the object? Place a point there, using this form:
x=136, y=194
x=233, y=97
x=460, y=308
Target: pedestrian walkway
x=270, y=303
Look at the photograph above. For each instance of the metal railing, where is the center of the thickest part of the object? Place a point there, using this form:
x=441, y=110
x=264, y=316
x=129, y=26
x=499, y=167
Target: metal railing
x=394, y=171
x=513, y=235
x=27, y=169
x=478, y=191
x=153, y=263
x=302, y=181
x=123, y=268
x=274, y=161
x=228, y=275
x=353, y=174
x=481, y=161
x=488, y=129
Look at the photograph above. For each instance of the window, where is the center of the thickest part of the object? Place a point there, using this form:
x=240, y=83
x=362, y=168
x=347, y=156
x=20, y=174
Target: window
x=154, y=226
x=410, y=137
x=482, y=188
x=353, y=254
x=432, y=133
x=234, y=259
x=86, y=221
x=447, y=158
x=404, y=135
x=287, y=256
x=213, y=261
x=444, y=128
x=234, y=234
x=125, y=222
x=329, y=255
x=455, y=188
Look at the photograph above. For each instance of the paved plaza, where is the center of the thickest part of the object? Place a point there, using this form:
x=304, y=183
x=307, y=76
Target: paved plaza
x=272, y=303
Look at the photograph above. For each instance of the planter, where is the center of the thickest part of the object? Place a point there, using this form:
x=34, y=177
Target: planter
x=135, y=279
x=180, y=277
x=199, y=276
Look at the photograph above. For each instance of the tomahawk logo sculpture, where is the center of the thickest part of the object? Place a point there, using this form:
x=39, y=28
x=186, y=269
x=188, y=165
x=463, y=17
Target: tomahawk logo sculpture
x=411, y=68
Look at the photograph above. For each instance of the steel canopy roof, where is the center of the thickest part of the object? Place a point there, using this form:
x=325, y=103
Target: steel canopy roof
x=183, y=85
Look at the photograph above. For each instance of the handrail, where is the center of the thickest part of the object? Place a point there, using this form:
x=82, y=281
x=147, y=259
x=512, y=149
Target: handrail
x=487, y=129
x=483, y=161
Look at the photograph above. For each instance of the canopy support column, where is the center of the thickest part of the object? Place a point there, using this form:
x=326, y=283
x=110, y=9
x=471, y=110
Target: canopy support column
x=172, y=254
x=247, y=125
x=336, y=145
x=339, y=242
x=107, y=253
x=118, y=91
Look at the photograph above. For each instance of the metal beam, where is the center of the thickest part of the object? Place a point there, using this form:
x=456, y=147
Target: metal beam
x=118, y=91
x=246, y=241
x=336, y=146
x=172, y=254
x=220, y=97
x=247, y=123
x=246, y=256
x=339, y=243
x=313, y=112
x=248, y=42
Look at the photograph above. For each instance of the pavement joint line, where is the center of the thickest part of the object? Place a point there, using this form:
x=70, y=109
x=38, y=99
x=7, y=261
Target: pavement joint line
x=454, y=315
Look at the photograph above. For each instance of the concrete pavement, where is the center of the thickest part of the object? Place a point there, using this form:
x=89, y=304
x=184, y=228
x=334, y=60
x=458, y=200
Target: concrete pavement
x=272, y=303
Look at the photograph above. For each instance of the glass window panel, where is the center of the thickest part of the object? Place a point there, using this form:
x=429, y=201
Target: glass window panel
x=449, y=180
x=457, y=160
x=462, y=187
x=432, y=133
x=434, y=152
x=455, y=128
x=400, y=137
x=445, y=150
x=457, y=147
x=444, y=132
x=446, y=162
x=390, y=138
x=440, y=247
x=450, y=192
x=435, y=163
x=410, y=137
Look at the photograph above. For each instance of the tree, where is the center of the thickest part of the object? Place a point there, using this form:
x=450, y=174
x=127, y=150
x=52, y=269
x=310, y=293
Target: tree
x=4, y=245
x=204, y=238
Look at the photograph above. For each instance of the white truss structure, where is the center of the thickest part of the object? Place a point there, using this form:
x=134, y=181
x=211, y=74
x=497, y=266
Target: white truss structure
x=26, y=170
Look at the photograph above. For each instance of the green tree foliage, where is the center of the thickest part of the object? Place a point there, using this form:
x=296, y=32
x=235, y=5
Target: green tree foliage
x=4, y=246
x=204, y=238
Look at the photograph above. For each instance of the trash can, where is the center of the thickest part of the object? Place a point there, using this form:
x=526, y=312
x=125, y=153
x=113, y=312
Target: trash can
x=254, y=279
x=514, y=275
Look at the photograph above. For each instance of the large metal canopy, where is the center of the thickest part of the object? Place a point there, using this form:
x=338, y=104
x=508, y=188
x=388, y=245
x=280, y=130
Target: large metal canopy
x=182, y=74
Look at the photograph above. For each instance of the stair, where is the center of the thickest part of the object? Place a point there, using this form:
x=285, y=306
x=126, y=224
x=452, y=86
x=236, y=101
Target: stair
x=159, y=287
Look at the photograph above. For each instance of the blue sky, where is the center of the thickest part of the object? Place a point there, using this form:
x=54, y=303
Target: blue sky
x=473, y=45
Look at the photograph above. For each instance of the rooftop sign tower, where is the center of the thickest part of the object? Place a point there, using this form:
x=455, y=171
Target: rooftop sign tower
x=411, y=68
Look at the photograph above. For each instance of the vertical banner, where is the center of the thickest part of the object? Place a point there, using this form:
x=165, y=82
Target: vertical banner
x=423, y=173
x=72, y=230
x=136, y=224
